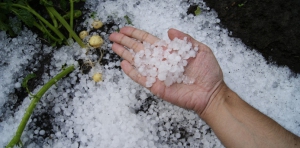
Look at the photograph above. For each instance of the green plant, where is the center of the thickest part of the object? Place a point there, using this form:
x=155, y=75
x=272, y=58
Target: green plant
x=35, y=99
x=242, y=4
x=52, y=31
x=93, y=15
x=197, y=11
x=128, y=20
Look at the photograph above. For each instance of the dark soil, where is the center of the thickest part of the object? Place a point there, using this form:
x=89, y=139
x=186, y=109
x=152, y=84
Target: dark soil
x=272, y=27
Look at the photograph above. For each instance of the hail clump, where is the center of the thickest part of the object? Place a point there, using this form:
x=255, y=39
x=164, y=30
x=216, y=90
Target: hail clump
x=96, y=41
x=83, y=34
x=165, y=61
x=97, y=24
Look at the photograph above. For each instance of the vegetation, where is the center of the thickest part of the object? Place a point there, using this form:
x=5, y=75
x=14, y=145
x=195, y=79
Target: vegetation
x=49, y=22
x=35, y=99
x=197, y=11
x=54, y=19
x=128, y=20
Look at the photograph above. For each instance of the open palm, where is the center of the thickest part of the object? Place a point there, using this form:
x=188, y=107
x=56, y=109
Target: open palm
x=204, y=68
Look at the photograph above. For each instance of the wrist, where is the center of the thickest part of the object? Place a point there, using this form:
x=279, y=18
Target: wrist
x=216, y=101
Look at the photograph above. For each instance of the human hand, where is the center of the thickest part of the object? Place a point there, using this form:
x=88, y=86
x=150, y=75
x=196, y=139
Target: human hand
x=204, y=68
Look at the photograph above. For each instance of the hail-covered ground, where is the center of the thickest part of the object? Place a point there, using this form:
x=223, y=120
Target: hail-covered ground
x=117, y=112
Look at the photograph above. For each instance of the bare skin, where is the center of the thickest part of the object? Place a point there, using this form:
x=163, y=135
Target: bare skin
x=236, y=123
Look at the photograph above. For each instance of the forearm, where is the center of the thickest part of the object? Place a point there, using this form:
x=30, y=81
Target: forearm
x=237, y=124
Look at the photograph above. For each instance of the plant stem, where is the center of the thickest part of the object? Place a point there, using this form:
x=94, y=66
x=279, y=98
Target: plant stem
x=66, y=25
x=42, y=28
x=17, y=138
x=71, y=16
x=52, y=18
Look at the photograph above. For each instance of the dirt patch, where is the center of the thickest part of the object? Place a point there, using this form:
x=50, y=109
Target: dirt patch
x=272, y=27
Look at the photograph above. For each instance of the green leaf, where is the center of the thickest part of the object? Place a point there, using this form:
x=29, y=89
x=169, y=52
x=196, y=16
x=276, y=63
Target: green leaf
x=26, y=79
x=15, y=24
x=93, y=15
x=128, y=20
x=3, y=24
x=197, y=11
x=22, y=2
x=53, y=44
x=25, y=16
x=46, y=3
x=6, y=7
x=63, y=4
x=77, y=14
x=8, y=4
x=241, y=5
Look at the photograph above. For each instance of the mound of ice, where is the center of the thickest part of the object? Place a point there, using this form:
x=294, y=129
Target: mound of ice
x=165, y=60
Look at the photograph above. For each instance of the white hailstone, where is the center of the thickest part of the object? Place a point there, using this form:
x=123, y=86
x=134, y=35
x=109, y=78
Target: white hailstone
x=162, y=133
x=36, y=131
x=177, y=135
x=179, y=80
x=164, y=60
x=197, y=135
x=162, y=76
x=42, y=132
x=17, y=85
x=56, y=109
x=168, y=81
x=141, y=69
x=143, y=95
x=177, y=58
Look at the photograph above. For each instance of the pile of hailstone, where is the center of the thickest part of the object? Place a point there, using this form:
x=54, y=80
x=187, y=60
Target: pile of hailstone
x=165, y=60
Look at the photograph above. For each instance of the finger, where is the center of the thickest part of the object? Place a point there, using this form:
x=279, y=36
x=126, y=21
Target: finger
x=139, y=34
x=133, y=73
x=126, y=41
x=122, y=52
x=173, y=33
